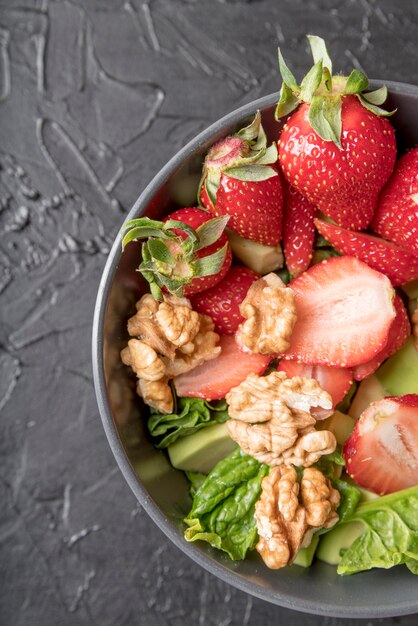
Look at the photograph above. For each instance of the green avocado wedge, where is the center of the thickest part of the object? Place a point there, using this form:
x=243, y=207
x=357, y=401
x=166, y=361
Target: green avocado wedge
x=201, y=451
x=399, y=374
x=338, y=539
x=306, y=555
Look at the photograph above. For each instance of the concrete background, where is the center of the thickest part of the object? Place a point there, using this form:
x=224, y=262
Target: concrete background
x=95, y=96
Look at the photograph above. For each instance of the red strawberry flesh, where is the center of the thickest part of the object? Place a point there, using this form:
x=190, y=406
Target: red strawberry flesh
x=213, y=379
x=398, y=334
x=222, y=301
x=255, y=207
x=382, y=452
x=397, y=263
x=397, y=215
x=344, y=312
x=298, y=230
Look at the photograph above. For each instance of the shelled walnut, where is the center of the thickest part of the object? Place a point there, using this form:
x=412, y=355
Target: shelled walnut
x=169, y=339
x=270, y=313
x=288, y=513
x=268, y=425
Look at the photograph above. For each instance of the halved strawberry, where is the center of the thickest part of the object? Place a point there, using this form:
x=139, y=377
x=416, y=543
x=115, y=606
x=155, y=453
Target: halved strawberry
x=298, y=230
x=398, y=334
x=382, y=452
x=396, y=217
x=222, y=301
x=336, y=380
x=344, y=311
x=395, y=262
x=213, y=379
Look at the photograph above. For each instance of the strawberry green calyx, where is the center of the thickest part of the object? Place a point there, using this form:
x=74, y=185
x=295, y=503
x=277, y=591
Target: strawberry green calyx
x=243, y=156
x=324, y=92
x=170, y=257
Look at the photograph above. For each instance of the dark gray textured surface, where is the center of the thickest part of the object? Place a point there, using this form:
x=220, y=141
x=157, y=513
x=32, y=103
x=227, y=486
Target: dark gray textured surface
x=95, y=96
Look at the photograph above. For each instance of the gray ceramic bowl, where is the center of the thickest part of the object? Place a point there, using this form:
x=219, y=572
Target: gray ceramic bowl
x=163, y=491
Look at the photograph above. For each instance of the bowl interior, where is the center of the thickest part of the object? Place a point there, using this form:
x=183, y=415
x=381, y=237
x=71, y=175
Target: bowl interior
x=162, y=490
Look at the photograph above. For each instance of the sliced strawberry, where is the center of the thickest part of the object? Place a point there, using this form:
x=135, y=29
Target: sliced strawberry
x=398, y=334
x=213, y=379
x=222, y=301
x=335, y=380
x=298, y=230
x=344, y=311
x=382, y=452
x=395, y=262
x=396, y=217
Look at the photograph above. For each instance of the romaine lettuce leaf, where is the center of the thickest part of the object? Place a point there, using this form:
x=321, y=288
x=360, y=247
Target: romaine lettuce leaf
x=191, y=415
x=390, y=534
x=223, y=507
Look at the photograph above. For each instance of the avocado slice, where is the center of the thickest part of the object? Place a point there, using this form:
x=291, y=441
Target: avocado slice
x=340, y=424
x=257, y=256
x=305, y=556
x=340, y=538
x=411, y=289
x=370, y=389
x=201, y=451
x=399, y=374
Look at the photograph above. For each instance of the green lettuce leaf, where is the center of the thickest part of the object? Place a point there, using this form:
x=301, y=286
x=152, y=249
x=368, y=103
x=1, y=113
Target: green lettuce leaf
x=191, y=414
x=390, y=534
x=223, y=506
x=196, y=480
x=350, y=497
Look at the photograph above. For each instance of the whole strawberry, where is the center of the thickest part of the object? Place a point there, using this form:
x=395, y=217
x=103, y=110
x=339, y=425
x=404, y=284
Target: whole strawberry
x=186, y=253
x=241, y=179
x=396, y=217
x=298, y=230
x=222, y=300
x=335, y=149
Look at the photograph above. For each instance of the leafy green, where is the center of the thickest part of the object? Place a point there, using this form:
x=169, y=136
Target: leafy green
x=191, y=414
x=349, y=494
x=285, y=275
x=390, y=534
x=223, y=506
x=350, y=497
x=327, y=463
x=196, y=480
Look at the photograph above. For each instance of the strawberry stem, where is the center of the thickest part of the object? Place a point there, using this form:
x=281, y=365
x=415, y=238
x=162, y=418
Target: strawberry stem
x=169, y=254
x=324, y=93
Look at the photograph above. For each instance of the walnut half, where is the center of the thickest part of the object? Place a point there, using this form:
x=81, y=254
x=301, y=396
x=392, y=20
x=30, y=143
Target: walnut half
x=168, y=339
x=270, y=313
x=268, y=423
x=287, y=512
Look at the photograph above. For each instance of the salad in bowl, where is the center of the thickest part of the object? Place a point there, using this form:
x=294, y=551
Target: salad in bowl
x=275, y=349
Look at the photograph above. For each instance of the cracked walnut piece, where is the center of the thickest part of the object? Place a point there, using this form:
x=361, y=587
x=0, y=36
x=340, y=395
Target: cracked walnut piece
x=165, y=326
x=268, y=424
x=169, y=338
x=288, y=513
x=270, y=313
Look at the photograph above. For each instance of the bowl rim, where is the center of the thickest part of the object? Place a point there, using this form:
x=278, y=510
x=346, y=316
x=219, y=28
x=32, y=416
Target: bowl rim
x=285, y=600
